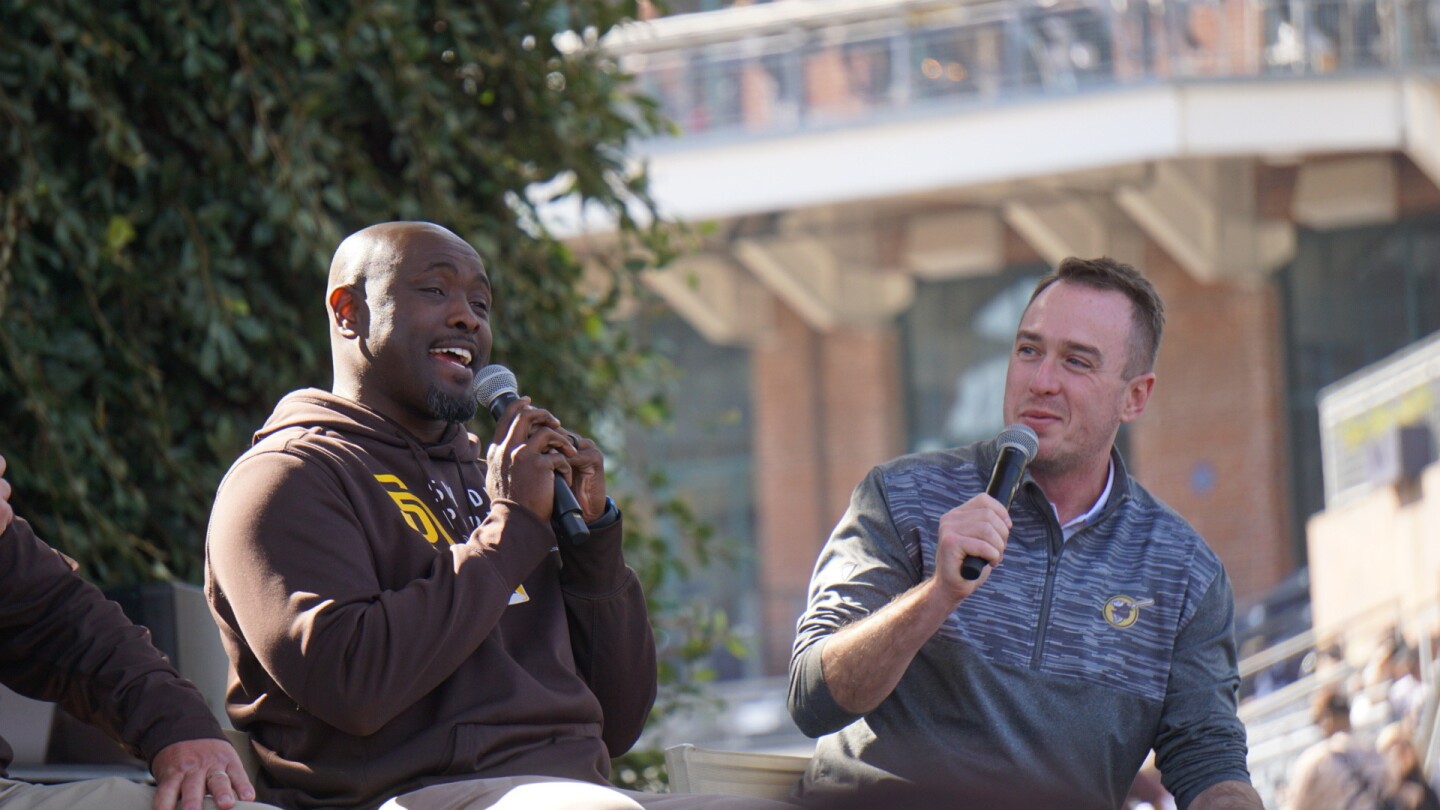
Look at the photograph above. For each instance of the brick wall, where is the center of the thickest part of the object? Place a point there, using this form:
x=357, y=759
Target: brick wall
x=1212, y=443
x=826, y=410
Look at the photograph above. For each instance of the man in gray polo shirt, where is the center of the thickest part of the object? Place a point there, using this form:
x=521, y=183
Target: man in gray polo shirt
x=1101, y=628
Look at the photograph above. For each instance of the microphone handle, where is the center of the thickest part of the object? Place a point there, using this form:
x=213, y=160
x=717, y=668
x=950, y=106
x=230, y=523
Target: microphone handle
x=568, y=520
x=1004, y=481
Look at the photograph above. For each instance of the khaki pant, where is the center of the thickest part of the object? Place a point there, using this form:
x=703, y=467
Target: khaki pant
x=114, y=793
x=548, y=793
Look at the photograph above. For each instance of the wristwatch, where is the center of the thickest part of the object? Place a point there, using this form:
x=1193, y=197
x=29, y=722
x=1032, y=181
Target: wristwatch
x=608, y=518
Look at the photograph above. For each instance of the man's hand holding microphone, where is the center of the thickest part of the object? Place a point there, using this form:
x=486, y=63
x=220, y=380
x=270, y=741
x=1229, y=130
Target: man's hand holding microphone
x=975, y=530
x=533, y=461
x=864, y=661
x=972, y=536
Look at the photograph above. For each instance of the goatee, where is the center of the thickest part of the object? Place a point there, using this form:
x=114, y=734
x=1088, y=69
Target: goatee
x=452, y=408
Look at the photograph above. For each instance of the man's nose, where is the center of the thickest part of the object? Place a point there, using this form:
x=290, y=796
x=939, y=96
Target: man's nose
x=1046, y=379
x=462, y=315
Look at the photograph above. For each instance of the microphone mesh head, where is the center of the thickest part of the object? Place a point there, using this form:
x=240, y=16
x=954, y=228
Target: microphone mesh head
x=492, y=381
x=1020, y=437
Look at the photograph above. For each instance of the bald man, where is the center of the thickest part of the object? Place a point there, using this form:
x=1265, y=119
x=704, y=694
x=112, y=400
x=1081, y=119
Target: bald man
x=403, y=627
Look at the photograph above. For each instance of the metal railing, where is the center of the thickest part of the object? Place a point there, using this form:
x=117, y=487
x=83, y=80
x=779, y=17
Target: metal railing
x=1279, y=723
x=804, y=67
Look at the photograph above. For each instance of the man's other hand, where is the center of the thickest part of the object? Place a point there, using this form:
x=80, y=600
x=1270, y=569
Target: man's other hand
x=6, y=513
x=185, y=771
x=588, y=470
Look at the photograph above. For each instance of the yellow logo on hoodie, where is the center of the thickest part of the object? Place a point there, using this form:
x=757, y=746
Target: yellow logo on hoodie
x=414, y=510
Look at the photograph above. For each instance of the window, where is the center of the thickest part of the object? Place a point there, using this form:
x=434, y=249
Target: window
x=957, y=341
x=1352, y=297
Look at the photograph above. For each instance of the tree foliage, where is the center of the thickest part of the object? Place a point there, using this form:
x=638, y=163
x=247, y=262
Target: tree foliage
x=174, y=176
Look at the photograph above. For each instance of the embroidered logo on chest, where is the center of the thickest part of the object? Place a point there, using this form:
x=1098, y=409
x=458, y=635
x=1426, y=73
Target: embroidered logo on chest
x=1123, y=611
x=417, y=515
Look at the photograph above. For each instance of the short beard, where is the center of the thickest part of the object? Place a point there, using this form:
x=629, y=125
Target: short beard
x=452, y=409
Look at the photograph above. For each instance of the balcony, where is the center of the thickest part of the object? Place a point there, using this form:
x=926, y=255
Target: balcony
x=815, y=65
x=807, y=104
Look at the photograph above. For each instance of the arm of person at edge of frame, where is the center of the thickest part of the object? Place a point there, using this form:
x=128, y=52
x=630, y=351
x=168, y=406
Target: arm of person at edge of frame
x=187, y=770
x=6, y=513
x=184, y=770
x=1231, y=795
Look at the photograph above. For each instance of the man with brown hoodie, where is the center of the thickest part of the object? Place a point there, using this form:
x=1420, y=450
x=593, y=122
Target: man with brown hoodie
x=402, y=625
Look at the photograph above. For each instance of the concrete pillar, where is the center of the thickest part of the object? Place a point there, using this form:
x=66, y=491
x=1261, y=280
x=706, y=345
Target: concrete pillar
x=722, y=302
x=1346, y=192
x=1205, y=214
x=1422, y=114
x=1059, y=228
x=826, y=288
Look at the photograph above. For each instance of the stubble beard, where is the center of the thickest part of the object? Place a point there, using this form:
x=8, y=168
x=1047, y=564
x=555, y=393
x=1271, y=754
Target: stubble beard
x=1067, y=460
x=1053, y=467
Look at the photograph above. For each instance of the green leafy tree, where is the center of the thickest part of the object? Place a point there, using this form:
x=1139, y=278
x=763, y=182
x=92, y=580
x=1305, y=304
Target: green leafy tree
x=174, y=175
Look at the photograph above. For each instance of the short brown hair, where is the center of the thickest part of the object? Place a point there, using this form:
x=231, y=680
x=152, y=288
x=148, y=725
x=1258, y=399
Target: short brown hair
x=1148, y=311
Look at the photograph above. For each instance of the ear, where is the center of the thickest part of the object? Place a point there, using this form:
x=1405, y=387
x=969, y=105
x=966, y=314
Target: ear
x=1137, y=396
x=345, y=310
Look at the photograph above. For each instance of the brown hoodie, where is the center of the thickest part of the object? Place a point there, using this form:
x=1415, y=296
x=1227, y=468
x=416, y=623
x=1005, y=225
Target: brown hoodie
x=390, y=628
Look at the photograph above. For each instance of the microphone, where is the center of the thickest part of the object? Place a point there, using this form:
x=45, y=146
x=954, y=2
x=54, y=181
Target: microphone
x=495, y=386
x=1018, y=446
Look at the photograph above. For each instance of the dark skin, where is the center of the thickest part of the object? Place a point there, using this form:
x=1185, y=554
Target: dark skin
x=6, y=513
x=510, y=474
x=410, y=315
